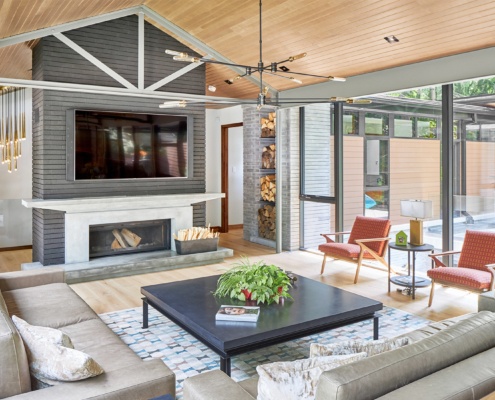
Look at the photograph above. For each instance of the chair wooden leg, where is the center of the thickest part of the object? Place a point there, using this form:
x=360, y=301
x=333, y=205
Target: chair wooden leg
x=323, y=264
x=432, y=290
x=359, y=262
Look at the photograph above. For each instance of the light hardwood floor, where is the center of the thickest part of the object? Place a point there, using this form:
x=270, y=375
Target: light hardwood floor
x=121, y=293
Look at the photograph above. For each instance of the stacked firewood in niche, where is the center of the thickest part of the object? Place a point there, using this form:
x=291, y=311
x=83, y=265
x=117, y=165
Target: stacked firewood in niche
x=268, y=188
x=268, y=157
x=124, y=238
x=266, y=222
x=268, y=125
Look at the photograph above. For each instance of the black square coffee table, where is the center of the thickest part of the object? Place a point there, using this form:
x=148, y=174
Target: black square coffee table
x=316, y=307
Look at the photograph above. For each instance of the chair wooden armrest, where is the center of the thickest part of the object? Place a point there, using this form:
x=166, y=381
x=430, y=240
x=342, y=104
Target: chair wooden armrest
x=444, y=254
x=327, y=235
x=491, y=268
x=439, y=263
x=372, y=240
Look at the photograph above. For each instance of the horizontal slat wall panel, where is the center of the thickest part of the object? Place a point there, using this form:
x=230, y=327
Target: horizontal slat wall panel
x=480, y=177
x=114, y=43
x=353, y=179
x=414, y=174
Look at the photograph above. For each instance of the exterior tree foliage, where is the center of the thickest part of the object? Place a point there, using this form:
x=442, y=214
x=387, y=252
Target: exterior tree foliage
x=471, y=88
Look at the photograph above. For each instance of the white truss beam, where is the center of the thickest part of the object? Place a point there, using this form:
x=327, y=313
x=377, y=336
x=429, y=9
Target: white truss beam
x=141, y=51
x=106, y=90
x=39, y=33
x=92, y=59
x=174, y=76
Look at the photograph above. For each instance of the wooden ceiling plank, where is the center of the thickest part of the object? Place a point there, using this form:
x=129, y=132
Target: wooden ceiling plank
x=188, y=38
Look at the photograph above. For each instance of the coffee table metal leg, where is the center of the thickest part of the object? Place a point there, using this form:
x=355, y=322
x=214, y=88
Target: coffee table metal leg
x=225, y=365
x=376, y=325
x=145, y=313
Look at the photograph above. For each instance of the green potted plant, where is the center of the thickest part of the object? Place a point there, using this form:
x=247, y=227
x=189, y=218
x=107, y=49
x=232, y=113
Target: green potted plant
x=257, y=281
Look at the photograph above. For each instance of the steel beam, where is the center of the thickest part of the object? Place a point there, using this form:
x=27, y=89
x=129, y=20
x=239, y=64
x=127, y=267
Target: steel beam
x=338, y=166
x=447, y=149
x=280, y=186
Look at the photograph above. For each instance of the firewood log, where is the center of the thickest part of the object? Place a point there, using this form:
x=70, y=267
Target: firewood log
x=119, y=238
x=130, y=237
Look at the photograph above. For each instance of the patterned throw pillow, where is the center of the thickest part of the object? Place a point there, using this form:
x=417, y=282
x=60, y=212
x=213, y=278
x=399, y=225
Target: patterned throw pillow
x=49, y=362
x=371, y=347
x=296, y=380
x=54, y=336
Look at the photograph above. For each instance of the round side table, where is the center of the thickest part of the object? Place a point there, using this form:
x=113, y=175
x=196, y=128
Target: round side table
x=410, y=280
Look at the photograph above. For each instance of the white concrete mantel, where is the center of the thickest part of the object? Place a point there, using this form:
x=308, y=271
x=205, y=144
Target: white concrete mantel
x=81, y=213
x=101, y=204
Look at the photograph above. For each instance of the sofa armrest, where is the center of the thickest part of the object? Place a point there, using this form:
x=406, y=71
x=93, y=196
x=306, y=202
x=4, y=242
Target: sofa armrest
x=140, y=381
x=214, y=385
x=29, y=278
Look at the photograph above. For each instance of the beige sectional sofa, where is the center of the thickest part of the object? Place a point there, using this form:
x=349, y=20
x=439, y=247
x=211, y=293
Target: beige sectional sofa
x=452, y=359
x=41, y=297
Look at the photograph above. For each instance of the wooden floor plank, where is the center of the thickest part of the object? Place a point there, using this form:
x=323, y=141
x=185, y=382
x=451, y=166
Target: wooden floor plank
x=120, y=293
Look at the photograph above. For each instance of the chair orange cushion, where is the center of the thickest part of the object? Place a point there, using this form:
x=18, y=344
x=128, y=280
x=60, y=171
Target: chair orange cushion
x=473, y=278
x=344, y=250
x=369, y=228
x=478, y=250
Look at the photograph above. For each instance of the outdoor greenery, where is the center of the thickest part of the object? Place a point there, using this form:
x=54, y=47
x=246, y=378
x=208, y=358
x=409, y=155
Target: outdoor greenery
x=257, y=281
x=477, y=87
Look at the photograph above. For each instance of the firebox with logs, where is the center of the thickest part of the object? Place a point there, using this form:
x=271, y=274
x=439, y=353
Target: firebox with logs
x=268, y=157
x=268, y=187
x=266, y=222
x=129, y=237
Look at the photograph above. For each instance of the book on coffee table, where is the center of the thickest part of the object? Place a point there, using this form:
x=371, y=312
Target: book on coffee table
x=238, y=313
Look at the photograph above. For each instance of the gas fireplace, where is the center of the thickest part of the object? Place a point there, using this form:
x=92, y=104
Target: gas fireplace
x=129, y=237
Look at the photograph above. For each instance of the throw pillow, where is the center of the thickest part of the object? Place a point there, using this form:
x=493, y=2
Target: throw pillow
x=371, y=347
x=295, y=380
x=54, y=336
x=50, y=362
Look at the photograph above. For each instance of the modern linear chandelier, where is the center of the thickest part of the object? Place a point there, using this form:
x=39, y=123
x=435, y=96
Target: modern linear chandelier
x=12, y=125
x=278, y=69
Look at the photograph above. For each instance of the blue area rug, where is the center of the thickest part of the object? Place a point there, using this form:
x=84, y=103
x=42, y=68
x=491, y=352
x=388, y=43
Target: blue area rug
x=187, y=356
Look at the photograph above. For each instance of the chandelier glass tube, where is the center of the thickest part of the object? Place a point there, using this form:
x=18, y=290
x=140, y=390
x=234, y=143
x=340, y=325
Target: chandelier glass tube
x=12, y=125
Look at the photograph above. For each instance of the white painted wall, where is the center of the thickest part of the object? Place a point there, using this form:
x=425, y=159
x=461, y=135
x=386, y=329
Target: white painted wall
x=214, y=120
x=16, y=220
x=236, y=181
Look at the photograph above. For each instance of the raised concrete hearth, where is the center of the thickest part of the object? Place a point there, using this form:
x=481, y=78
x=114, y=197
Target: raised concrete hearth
x=82, y=213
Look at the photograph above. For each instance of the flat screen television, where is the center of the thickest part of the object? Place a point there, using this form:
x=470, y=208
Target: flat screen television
x=122, y=145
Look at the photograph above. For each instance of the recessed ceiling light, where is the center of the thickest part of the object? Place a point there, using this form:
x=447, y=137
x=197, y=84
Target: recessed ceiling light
x=391, y=39
x=212, y=88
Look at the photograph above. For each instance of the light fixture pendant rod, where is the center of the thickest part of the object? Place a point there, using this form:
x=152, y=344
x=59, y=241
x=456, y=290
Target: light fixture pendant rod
x=260, y=64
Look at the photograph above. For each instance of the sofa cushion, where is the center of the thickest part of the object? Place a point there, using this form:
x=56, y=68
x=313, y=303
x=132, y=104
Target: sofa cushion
x=470, y=379
x=250, y=385
x=94, y=338
x=376, y=376
x=14, y=368
x=371, y=347
x=54, y=305
x=50, y=362
x=294, y=380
